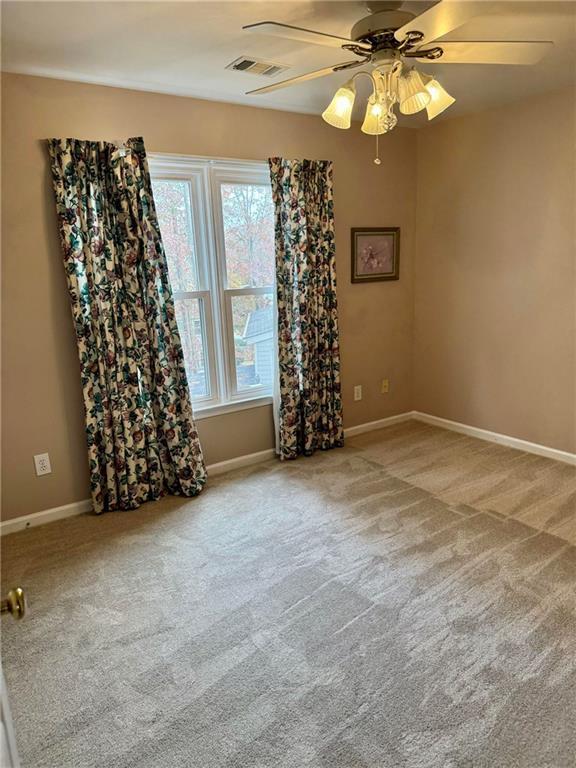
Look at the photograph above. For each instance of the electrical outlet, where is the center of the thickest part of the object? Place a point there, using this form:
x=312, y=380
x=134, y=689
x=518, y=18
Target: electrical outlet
x=42, y=464
x=358, y=392
x=385, y=388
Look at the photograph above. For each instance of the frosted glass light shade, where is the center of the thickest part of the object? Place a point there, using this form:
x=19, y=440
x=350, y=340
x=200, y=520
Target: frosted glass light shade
x=439, y=99
x=372, y=124
x=339, y=112
x=412, y=93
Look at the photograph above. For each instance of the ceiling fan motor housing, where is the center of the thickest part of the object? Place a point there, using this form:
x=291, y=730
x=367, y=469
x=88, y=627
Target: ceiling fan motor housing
x=385, y=58
x=378, y=24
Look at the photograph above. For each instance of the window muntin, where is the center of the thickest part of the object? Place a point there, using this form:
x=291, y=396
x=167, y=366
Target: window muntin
x=219, y=243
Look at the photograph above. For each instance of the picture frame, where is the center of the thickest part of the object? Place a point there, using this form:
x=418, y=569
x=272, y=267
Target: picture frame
x=375, y=254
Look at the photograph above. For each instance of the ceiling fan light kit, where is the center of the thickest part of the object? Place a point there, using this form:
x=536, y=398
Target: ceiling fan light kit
x=412, y=93
x=339, y=112
x=440, y=99
x=387, y=39
x=380, y=117
x=371, y=124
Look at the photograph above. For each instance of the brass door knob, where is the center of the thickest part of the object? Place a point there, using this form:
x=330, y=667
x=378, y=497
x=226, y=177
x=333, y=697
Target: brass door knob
x=15, y=603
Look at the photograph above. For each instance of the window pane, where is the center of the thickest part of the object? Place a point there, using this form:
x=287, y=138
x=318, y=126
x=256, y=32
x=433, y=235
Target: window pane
x=248, y=216
x=254, y=346
x=190, y=320
x=172, y=200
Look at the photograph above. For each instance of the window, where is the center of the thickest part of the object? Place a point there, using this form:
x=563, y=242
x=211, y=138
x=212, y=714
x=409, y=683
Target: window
x=217, y=224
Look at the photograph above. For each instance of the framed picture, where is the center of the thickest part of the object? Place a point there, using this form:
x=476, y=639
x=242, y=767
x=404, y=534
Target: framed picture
x=375, y=254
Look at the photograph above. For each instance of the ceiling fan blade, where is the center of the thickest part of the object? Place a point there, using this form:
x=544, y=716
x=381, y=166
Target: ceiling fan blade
x=485, y=52
x=443, y=18
x=290, y=32
x=307, y=76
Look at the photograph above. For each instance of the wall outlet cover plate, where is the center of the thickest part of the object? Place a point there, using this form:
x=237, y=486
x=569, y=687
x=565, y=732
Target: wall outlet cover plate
x=42, y=464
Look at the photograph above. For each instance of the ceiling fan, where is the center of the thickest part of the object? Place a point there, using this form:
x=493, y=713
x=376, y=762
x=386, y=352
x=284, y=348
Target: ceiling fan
x=389, y=39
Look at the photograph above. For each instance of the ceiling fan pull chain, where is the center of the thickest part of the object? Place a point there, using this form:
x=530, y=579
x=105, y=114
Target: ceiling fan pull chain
x=377, y=160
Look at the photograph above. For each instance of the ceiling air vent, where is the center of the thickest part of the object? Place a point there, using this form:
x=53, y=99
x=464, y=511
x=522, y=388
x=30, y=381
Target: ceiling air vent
x=256, y=66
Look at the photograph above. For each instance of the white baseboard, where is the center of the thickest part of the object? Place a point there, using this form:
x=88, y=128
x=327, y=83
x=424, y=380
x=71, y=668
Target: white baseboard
x=370, y=426
x=496, y=437
x=45, y=516
x=240, y=461
x=80, y=507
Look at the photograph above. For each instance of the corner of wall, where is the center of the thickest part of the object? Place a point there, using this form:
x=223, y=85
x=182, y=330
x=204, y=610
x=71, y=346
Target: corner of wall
x=417, y=203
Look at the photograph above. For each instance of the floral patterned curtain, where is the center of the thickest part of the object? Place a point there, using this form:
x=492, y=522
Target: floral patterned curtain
x=310, y=409
x=142, y=442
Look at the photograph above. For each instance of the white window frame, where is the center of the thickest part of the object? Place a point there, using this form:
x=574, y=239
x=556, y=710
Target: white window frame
x=205, y=176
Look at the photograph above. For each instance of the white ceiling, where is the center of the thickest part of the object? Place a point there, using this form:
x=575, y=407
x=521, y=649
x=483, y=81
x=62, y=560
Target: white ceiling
x=184, y=47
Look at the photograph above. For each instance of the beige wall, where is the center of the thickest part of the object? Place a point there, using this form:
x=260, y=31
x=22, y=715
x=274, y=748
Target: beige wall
x=495, y=282
x=494, y=289
x=41, y=398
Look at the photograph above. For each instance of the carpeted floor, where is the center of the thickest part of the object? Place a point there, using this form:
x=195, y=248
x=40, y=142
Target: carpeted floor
x=407, y=601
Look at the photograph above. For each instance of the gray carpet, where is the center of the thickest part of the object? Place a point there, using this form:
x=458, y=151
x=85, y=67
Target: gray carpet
x=380, y=606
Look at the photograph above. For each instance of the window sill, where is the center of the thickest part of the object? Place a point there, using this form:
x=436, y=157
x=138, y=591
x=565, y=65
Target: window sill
x=237, y=405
